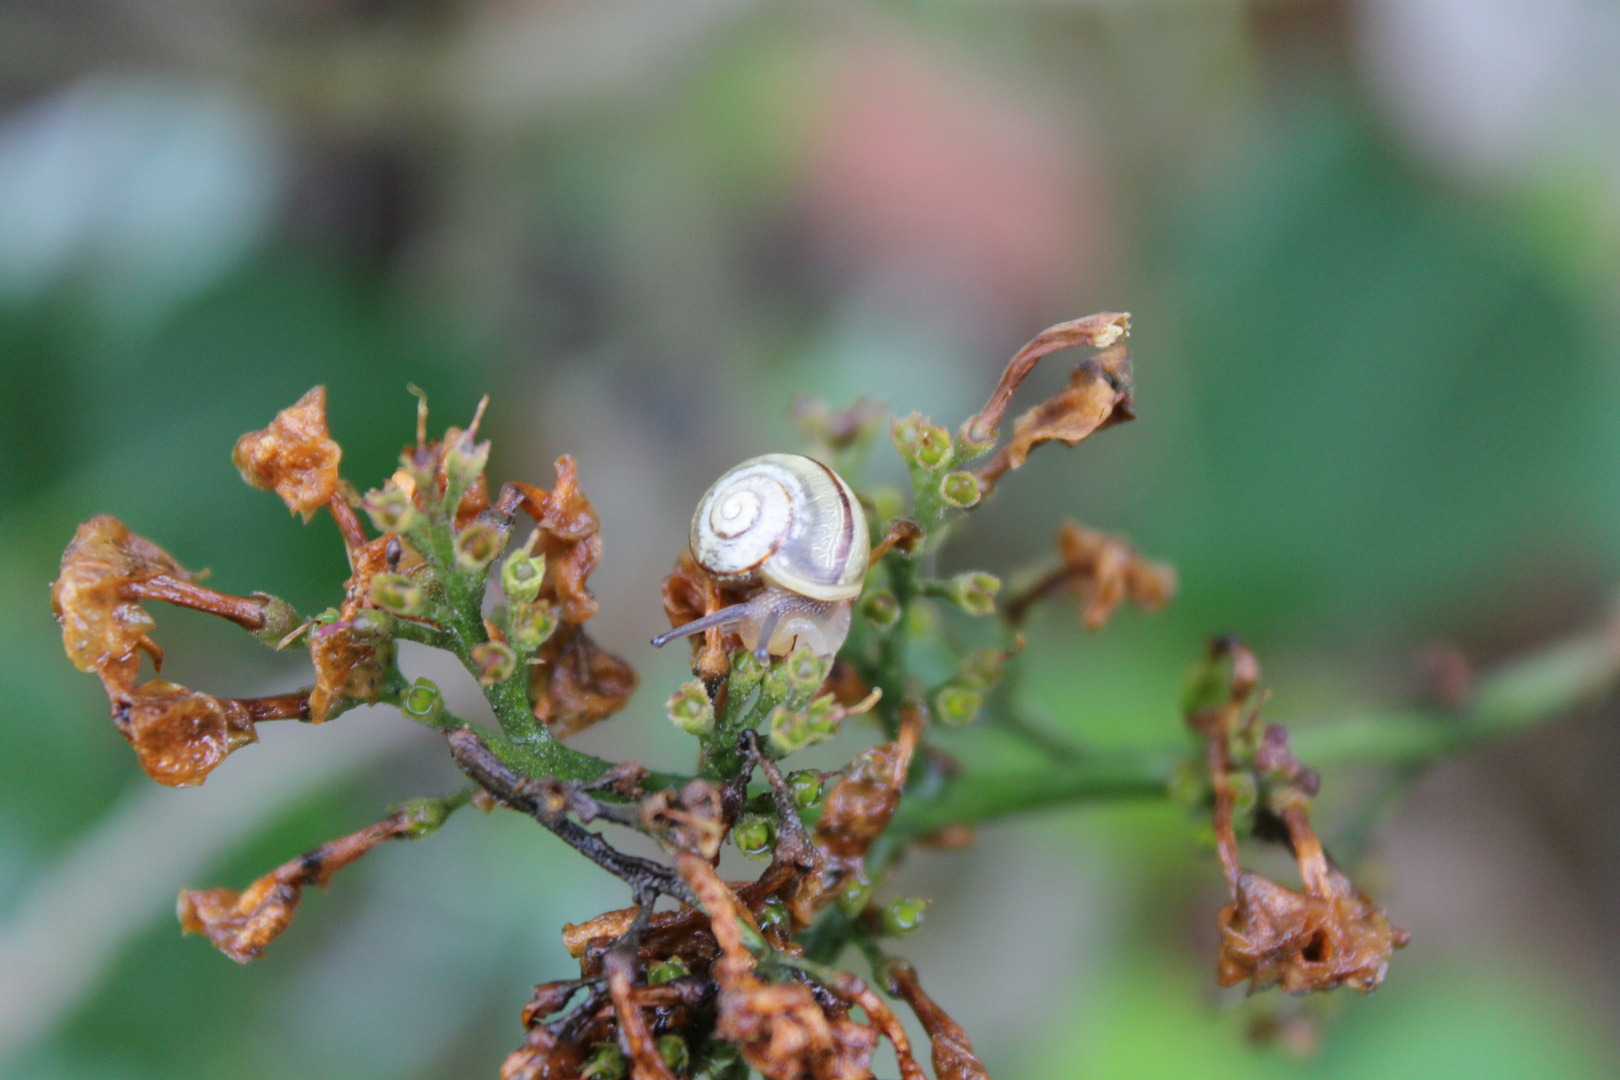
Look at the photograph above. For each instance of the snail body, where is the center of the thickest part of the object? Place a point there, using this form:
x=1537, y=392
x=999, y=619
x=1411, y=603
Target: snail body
x=791, y=528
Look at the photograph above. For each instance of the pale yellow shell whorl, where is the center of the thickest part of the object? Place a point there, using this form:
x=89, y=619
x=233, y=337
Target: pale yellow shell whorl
x=788, y=521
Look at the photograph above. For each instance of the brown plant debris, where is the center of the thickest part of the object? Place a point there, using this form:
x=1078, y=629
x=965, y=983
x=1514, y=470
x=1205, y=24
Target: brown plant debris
x=1327, y=934
x=1101, y=572
x=952, y=1052
x=295, y=456
x=241, y=924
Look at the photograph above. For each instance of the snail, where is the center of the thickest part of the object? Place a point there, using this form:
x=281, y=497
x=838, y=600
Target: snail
x=791, y=527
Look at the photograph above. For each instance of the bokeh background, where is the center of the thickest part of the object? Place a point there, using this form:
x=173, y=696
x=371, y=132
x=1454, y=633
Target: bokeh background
x=1370, y=249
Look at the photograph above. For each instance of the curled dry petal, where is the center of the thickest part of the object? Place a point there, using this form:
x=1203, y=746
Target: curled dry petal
x=1099, y=395
x=295, y=456
x=953, y=1054
x=180, y=734
x=608, y=925
x=545, y=1056
x=577, y=682
x=241, y=924
x=1098, y=331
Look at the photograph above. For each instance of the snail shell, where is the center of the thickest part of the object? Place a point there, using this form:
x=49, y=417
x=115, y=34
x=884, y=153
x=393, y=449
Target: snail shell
x=787, y=521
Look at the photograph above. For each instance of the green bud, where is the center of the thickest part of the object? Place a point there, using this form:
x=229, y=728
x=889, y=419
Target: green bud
x=424, y=816
x=882, y=608
x=906, y=433
x=398, y=594
x=960, y=489
x=806, y=787
x=672, y=1048
x=280, y=619
x=957, y=705
x=477, y=545
x=822, y=717
x=900, y=917
x=856, y=895
x=390, y=509
x=754, y=836
x=667, y=971
x=973, y=444
x=805, y=671
x=933, y=446
x=423, y=702
x=521, y=576
x=746, y=673
x=775, y=685
x=982, y=668
x=1189, y=785
x=464, y=462
x=787, y=730
x=1244, y=793
x=605, y=1063
x=370, y=626
x=690, y=709
x=1207, y=687
x=774, y=916
x=975, y=593
x=529, y=626
x=493, y=662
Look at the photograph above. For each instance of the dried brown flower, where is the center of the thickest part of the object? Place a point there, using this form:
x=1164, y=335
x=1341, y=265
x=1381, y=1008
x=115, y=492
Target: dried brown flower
x=104, y=628
x=241, y=924
x=180, y=734
x=1098, y=395
x=1101, y=571
x=348, y=667
x=577, y=682
x=860, y=805
x=295, y=456
x=1098, y=331
x=1330, y=934
x=691, y=592
x=570, y=539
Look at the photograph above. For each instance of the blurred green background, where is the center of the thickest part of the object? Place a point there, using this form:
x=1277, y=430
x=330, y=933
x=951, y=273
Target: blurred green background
x=1370, y=251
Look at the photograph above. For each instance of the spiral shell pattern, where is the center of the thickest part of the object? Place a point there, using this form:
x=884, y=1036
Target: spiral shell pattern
x=784, y=520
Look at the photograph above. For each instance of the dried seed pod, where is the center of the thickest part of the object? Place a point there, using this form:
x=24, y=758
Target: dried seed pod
x=791, y=527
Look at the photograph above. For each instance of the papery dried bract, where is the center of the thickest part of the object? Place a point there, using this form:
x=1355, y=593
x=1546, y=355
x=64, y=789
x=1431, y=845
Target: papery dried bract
x=180, y=735
x=295, y=456
x=570, y=540
x=241, y=924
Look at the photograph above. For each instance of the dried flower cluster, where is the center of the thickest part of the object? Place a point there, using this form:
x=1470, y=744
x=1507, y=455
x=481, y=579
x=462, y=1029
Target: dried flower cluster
x=738, y=976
